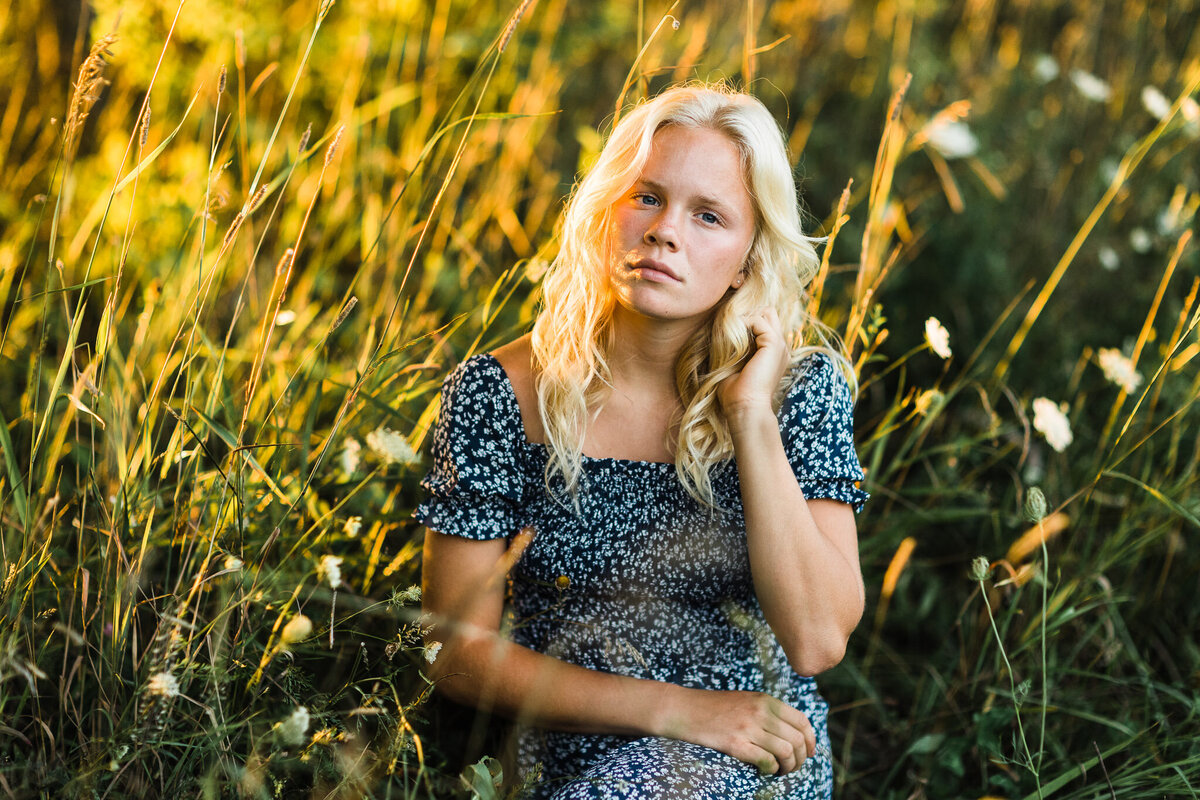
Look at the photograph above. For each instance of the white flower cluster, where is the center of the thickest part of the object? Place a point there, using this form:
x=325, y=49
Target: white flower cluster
x=163, y=684
x=937, y=337
x=391, y=446
x=331, y=569
x=1050, y=420
x=294, y=729
x=1119, y=369
x=953, y=139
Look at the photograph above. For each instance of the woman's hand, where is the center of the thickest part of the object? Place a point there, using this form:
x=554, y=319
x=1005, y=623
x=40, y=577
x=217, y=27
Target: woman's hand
x=753, y=727
x=752, y=388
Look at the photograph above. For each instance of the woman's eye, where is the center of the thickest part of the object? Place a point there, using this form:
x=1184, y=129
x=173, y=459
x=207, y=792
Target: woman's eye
x=646, y=199
x=710, y=218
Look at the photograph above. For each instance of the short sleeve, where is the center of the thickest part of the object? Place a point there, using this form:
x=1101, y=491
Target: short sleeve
x=475, y=486
x=817, y=425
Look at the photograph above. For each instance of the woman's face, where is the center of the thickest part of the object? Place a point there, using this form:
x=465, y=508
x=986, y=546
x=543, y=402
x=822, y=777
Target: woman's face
x=681, y=233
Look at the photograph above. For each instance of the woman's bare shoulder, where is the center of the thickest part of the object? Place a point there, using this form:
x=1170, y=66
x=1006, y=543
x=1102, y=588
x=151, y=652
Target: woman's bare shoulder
x=516, y=359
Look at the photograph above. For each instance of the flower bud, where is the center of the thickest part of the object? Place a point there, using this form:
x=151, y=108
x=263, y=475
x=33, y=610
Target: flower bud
x=1035, y=504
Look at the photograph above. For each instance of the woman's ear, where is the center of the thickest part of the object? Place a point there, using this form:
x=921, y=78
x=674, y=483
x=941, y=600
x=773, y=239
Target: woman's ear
x=739, y=280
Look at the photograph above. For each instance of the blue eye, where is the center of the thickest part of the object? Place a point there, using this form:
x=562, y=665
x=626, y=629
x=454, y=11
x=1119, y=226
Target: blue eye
x=646, y=199
x=710, y=218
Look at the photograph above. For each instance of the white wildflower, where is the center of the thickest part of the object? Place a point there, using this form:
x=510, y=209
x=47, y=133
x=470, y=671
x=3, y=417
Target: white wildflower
x=233, y=562
x=331, y=569
x=1119, y=369
x=410, y=595
x=1109, y=258
x=285, y=317
x=351, y=454
x=953, y=139
x=1050, y=420
x=1090, y=86
x=1045, y=68
x=1191, y=110
x=163, y=684
x=1140, y=241
x=352, y=526
x=297, y=629
x=1155, y=102
x=391, y=446
x=431, y=650
x=937, y=337
x=294, y=729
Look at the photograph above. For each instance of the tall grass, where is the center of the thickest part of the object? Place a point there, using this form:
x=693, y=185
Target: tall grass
x=241, y=247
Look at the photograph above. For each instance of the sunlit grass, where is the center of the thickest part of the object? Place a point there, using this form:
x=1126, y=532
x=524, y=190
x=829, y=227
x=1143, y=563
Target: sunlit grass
x=240, y=251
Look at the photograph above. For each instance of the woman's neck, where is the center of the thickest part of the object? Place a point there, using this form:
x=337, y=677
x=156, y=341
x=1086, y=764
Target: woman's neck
x=644, y=352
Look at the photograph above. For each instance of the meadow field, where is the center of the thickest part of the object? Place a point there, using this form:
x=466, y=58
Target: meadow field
x=241, y=243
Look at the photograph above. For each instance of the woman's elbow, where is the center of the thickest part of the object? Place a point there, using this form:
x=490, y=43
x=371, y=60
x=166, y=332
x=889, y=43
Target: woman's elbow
x=817, y=658
x=817, y=653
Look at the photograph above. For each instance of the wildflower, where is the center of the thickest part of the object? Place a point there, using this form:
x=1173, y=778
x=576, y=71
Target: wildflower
x=980, y=568
x=1050, y=420
x=352, y=526
x=1045, y=68
x=351, y=454
x=410, y=595
x=331, y=568
x=294, y=729
x=1109, y=258
x=1035, y=504
x=563, y=582
x=163, y=684
x=1155, y=102
x=1090, y=86
x=937, y=337
x=431, y=650
x=1119, y=369
x=390, y=446
x=953, y=139
x=233, y=562
x=1140, y=241
x=297, y=629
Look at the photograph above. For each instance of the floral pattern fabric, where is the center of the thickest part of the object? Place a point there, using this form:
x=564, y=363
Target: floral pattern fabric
x=637, y=578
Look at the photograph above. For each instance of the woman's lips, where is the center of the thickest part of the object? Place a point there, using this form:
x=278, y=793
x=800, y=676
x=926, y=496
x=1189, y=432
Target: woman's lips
x=653, y=270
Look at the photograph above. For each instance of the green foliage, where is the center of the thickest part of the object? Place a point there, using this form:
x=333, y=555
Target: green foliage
x=241, y=248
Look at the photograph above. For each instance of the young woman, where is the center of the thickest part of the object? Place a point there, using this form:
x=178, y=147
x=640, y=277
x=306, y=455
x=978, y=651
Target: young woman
x=660, y=480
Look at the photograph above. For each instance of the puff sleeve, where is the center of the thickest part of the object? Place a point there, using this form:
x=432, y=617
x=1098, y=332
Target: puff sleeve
x=817, y=425
x=475, y=486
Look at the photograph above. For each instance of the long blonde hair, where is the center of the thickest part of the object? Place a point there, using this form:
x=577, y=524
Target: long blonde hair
x=572, y=335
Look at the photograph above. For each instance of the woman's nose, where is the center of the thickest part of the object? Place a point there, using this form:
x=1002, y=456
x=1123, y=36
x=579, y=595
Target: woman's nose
x=661, y=233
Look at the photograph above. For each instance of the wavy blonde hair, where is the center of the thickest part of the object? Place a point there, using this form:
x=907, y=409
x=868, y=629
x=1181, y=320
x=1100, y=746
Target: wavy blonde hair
x=573, y=334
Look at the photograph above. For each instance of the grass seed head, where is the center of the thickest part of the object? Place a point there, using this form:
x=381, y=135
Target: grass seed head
x=88, y=86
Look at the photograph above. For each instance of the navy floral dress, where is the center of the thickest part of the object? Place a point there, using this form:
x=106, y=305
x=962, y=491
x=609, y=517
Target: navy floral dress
x=641, y=580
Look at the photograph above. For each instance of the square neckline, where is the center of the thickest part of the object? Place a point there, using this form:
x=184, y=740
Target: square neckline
x=515, y=413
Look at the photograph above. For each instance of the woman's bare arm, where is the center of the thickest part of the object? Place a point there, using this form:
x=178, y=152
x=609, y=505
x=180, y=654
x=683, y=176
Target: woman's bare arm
x=803, y=553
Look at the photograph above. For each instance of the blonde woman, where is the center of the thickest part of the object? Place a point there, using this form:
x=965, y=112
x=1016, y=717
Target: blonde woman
x=659, y=483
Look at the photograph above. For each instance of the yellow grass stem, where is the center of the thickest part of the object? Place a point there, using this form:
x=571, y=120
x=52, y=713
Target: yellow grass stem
x=632, y=74
x=1033, y=538
x=840, y=218
x=891, y=577
x=1129, y=163
x=880, y=223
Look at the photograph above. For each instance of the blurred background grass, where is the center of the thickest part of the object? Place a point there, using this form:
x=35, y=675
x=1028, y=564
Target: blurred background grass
x=241, y=244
